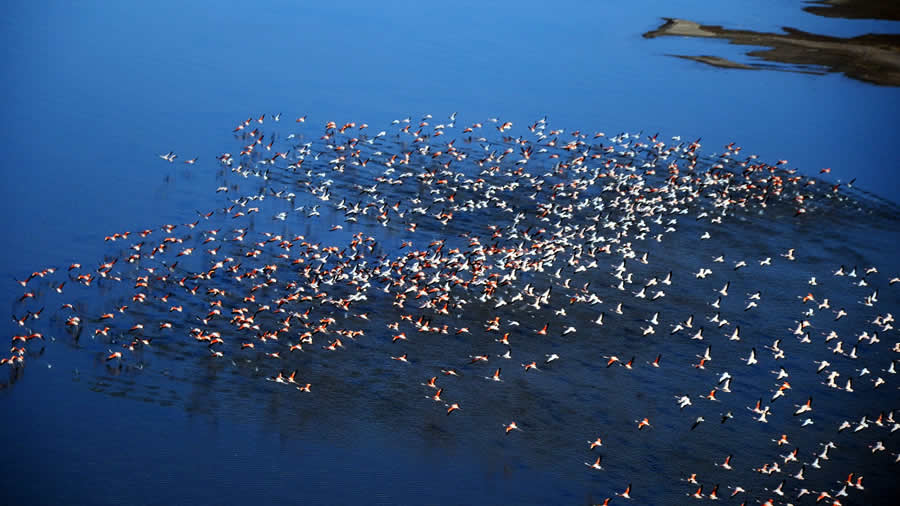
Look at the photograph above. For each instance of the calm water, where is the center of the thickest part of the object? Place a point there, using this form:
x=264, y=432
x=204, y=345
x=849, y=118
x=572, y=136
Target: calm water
x=98, y=90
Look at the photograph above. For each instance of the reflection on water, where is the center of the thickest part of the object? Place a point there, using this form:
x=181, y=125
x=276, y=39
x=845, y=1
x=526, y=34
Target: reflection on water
x=874, y=58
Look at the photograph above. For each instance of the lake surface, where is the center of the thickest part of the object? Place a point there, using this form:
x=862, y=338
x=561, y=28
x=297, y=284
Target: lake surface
x=98, y=90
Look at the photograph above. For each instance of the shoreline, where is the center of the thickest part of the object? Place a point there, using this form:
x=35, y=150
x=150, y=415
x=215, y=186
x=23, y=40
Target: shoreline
x=872, y=58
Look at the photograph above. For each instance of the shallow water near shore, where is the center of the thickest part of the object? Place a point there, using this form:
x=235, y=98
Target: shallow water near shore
x=92, y=107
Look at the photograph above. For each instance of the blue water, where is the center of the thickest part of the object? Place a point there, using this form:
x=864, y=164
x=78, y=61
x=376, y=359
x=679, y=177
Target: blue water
x=96, y=90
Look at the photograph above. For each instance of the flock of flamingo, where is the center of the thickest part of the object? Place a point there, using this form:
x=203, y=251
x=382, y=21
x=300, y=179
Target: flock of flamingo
x=476, y=260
